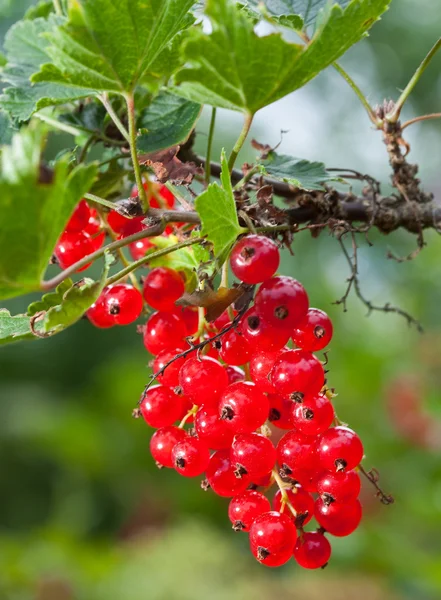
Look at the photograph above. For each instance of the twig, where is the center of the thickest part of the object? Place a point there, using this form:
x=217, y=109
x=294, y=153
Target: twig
x=373, y=477
x=240, y=141
x=421, y=118
x=210, y=145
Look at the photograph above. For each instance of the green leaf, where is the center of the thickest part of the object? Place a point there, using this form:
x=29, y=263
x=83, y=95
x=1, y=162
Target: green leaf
x=109, y=181
x=14, y=328
x=42, y=9
x=109, y=46
x=294, y=13
x=33, y=213
x=5, y=128
x=75, y=301
x=90, y=117
x=169, y=121
x=50, y=299
x=26, y=50
x=180, y=260
x=232, y=67
x=217, y=210
x=300, y=173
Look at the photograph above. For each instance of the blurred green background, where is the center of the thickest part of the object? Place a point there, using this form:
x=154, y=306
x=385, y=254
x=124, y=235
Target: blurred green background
x=85, y=514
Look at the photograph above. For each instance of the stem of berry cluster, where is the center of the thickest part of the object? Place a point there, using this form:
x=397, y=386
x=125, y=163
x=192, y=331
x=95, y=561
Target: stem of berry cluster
x=132, y=141
x=282, y=488
x=240, y=141
x=112, y=114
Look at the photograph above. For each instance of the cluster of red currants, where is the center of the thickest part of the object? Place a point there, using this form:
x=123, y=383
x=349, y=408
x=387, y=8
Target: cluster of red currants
x=232, y=390
x=84, y=233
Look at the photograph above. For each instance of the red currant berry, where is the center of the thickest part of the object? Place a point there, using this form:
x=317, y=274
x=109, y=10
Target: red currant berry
x=296, y=452
x=72, y=247
x=160, y=407
x=215, y=432
x=235, y=349
x=123, y=302
x=234, y=374
x=339, y=519
x=222, y=321
x=243, y=407
x=300, y=500
x=313, y=415
x=80, y=217
x=190, y=317
x=170, y=376
x=339, y=449
x=253, y=454
x=139, y=248
x=190, y=457
x=163, y=331
x=166, y=198
x=93, y=226
x=162, y=443
x=245, y=508
x=272, y=538
x=280, y=413
x=298, y=374
x=338, y=487
x=260, y=334
x=221, y=478
x=203, y=380
x=121, y=224
x=260, y=368
x=312, y=550
x=314, y=332
x=282, y=302
x=162, y=287
x=99, y=316
x=254, y=258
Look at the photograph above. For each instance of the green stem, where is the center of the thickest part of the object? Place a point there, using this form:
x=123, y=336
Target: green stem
x=422, y=118
x=58, y=125
x=140, y=235
x=210, y=146
x=112, y=114
x=142, y=261
x=240, y=141
x=116, y=157
x=57, y=7
x=85, y=149
x=100, y=201
x=358, y=92
x=132, y=141
x=395, y=114
x=247, y=177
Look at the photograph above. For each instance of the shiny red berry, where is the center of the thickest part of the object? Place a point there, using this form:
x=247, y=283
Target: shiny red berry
x=254, y=258
x=272, y=539
x=234, y=374
x=166, y=198
x=160, y=406
x=280, y=413
x=313, y=415
x=203, y=380
x=221, y=476
x=162, y=287
x=80, y=217
x=244, y=509
x=72, y=247
x=123, y=302
x=170, y=376
x=282, y=302
x=339, y=449
x=261, y=364
x=243, y=407
x=338, y=486
x=312, y=550
x=121, y=224
x=190, y=457
x=162, y=443
x=210, y=428
x=339, y=519
x=261, y=335
x=253, y=454
x=235, y=349
x=314, y=332
x=297, y=373
x=296, y=452
x=300, y=500
x=189, y=316
x=99, y=316
x=163, y=331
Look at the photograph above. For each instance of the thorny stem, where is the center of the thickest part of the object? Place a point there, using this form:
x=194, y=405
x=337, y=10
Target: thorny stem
x=145, y=259
x=112, y=114
x=132, y=141
x=210, y=146
x=358, y=92
x=422, y=118
x=240, y=141
x=393, y=116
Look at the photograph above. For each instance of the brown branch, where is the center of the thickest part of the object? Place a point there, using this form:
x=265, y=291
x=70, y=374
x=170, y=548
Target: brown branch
x=373, y=477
